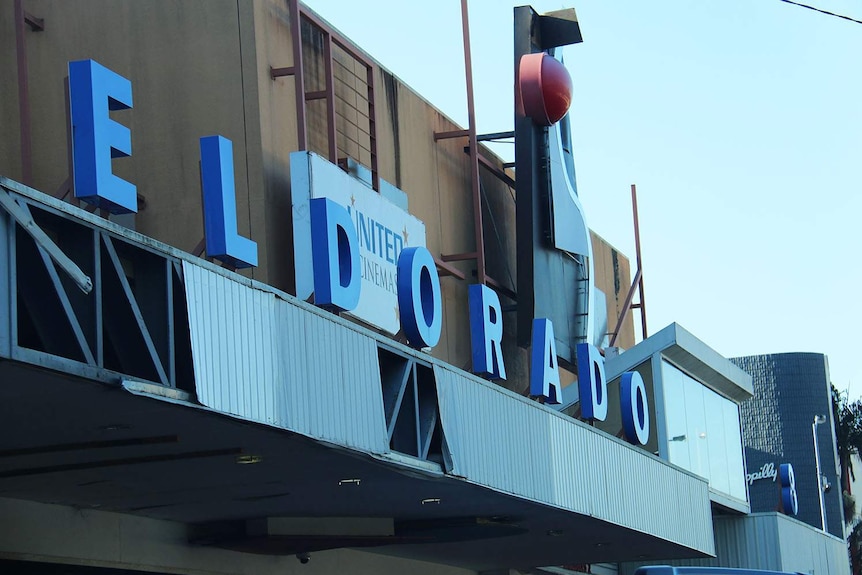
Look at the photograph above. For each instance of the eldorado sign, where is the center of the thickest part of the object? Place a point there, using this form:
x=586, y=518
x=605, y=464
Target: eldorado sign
x=368, y=257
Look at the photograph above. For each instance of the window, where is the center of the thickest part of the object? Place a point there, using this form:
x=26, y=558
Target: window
x=703, y=432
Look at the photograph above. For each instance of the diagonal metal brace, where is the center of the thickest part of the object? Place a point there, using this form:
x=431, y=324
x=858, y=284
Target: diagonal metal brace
x=25, y=220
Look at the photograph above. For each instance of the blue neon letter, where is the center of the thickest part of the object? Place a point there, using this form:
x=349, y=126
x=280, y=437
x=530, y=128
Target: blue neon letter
x=223, y=241
x=335, y=255
x=592, y=387
x=96, y=138
x=544, y=371
x=633, y=406
x=419, y=298
x=486, y=331
x=789, y=499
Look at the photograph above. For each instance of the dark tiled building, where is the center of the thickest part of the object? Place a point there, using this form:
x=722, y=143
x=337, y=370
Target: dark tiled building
x=790, y=389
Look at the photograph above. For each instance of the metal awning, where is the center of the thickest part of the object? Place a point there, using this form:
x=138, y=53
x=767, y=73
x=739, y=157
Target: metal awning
x=233, y=407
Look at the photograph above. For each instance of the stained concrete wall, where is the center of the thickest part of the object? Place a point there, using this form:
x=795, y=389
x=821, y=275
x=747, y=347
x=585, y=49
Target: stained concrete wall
x=202, y=67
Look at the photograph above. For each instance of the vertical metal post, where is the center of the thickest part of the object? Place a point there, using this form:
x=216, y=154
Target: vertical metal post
x=330, y=97
x=474, y=149
x=527, y=182
x=818, y=419
x=11, y=249
x=660, y=419
x=642, y=304
x=7, y=284
x=172, y=356
x=69, y=143
x=99, y=295
x=23, y=95
x=298, y=75
x=372, y=125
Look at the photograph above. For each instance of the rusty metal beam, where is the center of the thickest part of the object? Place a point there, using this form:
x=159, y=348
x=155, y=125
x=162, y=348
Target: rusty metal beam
x=496, y=171
x=35, y=24
x=495, y=136
x=497, y=286
x=450, y=134
x=448, y=270
x=354, y=52
x=372, y=124
x=474, y=149
x=329, y=95
x=332, y=37
x=199, y=249
x=627, y=305
x=23, y=96
x=299, y=77
x=67, y=188
x=637, y=283
x=642, y=306
x=459, y=257
x=281, y=72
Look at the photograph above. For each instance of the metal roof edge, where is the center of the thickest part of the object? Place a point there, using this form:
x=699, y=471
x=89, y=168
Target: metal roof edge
x=686, y=351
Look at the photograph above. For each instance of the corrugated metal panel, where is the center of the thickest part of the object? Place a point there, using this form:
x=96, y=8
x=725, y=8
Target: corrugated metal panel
x=547, y=457
x=808, y=550
x=265, y=359
x=770, y=541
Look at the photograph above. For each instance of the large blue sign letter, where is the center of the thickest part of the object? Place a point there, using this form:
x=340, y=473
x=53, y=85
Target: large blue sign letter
x=592, y=387
x=486, y=331
x=419, y=299
x=633, y=406
x=217, y=179
x=544, y=371
x=96, y=138
x=335, y=255
x=789, y=499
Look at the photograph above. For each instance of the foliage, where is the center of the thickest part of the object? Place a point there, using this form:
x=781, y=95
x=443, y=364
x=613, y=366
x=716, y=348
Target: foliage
x=848, y=434
x=854, y=546
x=848, y=438
x=849, y=503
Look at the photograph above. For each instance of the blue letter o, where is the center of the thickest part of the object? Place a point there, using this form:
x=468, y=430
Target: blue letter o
x=419, y=299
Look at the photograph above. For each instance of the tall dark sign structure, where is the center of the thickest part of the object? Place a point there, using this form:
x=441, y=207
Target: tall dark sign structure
x=553, y=239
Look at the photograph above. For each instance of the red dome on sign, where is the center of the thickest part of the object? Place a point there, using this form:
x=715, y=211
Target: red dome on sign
x=546, y=88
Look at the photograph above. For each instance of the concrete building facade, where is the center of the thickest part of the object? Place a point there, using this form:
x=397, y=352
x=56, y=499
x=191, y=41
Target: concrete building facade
x=165, y=412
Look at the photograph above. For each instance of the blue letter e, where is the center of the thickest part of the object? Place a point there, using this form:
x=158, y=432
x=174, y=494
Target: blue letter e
x=217, y=179
x=335, y=255
x=96, y=138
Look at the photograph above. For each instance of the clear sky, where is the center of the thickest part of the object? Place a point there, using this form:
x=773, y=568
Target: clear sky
x=739, y=121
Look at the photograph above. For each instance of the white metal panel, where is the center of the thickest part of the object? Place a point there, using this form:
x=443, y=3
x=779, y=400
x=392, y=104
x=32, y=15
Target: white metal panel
x=510, y=444
x=382, y=229
x=808, y=550
x=770, y=541
x=267, y=360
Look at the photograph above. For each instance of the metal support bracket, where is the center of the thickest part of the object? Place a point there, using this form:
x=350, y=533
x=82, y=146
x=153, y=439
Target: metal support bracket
x=25, y=220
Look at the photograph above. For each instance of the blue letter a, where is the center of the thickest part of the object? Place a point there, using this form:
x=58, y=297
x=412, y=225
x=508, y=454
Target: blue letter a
x=544, y=371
